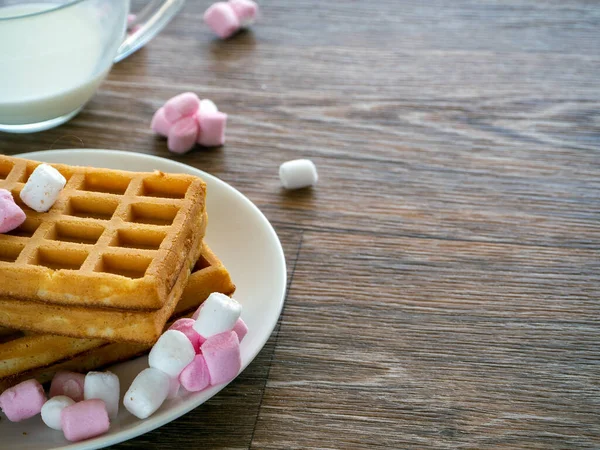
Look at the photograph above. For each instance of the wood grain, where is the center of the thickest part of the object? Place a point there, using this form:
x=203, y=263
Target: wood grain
x=439, y=344
x=444, y=274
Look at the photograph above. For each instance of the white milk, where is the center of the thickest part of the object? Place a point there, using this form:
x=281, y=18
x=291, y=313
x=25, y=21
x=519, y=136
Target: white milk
x=50, y=65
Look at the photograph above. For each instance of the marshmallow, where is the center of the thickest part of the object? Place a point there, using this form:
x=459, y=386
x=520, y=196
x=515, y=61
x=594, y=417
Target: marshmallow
x=42, y=188
x=207, y=107
x=23, y=401
x=182, y=135
x=11, y=215
x=197, y=313
x=6, y=195
x=185, y=121
x=298, y=173
x=132, y=26
x=186, y=326
x=52, y=410
x=222, y=355
x=147, y=392
x=195, y=377
x=221, y=18
x=245, y=10
x=104, y=386
x=174, y=386
x=171, y=353
x=84, y=420
x=69, y=384
x=240, y=328
x=218, y=314
x=160, y=124
x=212, y=128
x=182, y=105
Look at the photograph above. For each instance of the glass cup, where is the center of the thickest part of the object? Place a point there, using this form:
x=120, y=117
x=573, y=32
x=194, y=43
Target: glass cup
x=54, y=54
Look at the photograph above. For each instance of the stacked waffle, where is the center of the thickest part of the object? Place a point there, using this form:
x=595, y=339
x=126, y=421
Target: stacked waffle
x=96, y=278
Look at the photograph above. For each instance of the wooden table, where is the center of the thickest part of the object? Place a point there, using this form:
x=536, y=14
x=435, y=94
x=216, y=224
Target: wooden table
x=444, y=274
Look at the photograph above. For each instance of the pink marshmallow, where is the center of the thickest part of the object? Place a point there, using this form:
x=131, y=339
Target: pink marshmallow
x=183, y=135
x=222, y=355
x=6, y=195
x=212, y=129
x=182, y=105
x=240, y=328
x=132, y=27
x=160, y=124
x=195, y=377
x=84, y=420
x=186, y=327
x=222, y=19
x=245, y=10
x=23, y=401
x=68, y=383
x=11, y=215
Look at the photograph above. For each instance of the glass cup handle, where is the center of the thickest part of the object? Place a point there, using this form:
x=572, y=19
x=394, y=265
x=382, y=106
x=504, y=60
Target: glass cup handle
x=151, y=20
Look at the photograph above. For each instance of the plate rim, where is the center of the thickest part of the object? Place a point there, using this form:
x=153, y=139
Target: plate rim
x=146, y=425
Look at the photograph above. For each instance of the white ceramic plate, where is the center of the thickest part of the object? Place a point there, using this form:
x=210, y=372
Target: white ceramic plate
x=241, y=237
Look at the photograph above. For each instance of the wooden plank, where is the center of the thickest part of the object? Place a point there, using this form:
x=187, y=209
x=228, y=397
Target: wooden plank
x=435, y=345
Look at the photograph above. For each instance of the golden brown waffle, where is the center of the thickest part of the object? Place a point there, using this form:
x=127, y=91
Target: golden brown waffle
x=113, y=239
x=24, y=356
x=111, y=324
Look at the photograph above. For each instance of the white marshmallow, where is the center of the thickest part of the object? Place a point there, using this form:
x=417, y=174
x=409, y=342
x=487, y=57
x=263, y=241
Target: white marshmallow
x=42, y=188
x=218, y=314
x=207, y=106
x=171, y=353
x=104, y=386
x=147, y=392
x=298, y=173
x=52, y=410
x=174, y=386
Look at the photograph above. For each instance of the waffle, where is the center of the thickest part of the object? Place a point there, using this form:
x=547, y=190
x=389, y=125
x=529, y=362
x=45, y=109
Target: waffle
x=113, y=239
x=110, y=324
x=26, y=355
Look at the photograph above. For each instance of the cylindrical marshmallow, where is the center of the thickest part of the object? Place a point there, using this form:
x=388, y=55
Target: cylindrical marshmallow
x=6, y=195
x=197, y=312
x=171, y=353
x=84, y=420
x=131, y=22
x=160, y=124
x=186, y=326
x=182, y=105
x=212, y=128
x=299, y=173
x=195, y=377
x=240, y=328
x=207, y=107
x=147, y=392
x=174, y=386
x=68, y=383
x=11, y=215
x=245, y=10
x=221, y=18
x=222, y=355
x=183, y=135
x=42, y=188
x=52, y=410
x=23, y=401
x=217, y=315
x=104, y=386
